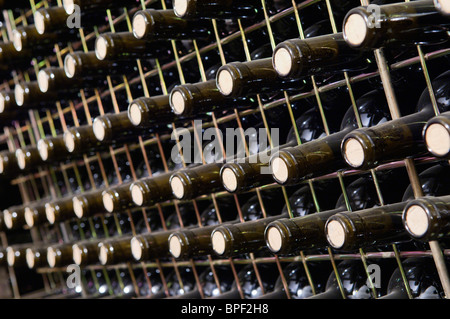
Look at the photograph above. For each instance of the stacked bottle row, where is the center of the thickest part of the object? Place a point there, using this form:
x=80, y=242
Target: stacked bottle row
x=263, y=227
x=358, y=141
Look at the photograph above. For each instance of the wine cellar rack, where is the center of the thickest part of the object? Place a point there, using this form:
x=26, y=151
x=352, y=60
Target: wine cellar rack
x=187, y=61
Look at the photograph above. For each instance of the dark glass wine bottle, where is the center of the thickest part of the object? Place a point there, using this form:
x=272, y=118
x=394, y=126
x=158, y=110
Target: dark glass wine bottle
x=86, y=65
x=59, y=255
x=16, y=255
x=124, y=46
x=115, y=250
x=81, y=139
x=116, y=127
x=28, y=158
x=436, y=134
x=36, y=257
x=150, y=111
x=10, y=58
x=249, y=283
x=195, y=181
x=151, y=190
x=14, y=217
x=88, y=203
x=427, y=218
x=370, y=227
x=28, y=38
x=298, y=282
x=287, y=236
x=422, y=277
x=35, y=214
x=53, y=149
x=85, y=252
x=231, y=239
x=294, y=164
x=117, y=198
x=397, y=139
x=326, y=54
x=238, y=79
x=54, y=79
x=415, y=22
x=244, y=174
x=59, y=209
x=202, y=97
x=51, y=20
x=150, y=245
x=196, y=242
x=156, y=25
x=29, y=95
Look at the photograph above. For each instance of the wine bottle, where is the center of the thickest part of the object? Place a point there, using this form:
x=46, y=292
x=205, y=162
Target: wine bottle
x=244, y=174
x=28, y=158
x=297, y=281
x=59, y=209
x=196, y=242
x=35, y=214
x=436, y=134
x=397, y=139
x=293, y=164
x=55, y=80
x=115, y=250
x=85, y=252
x=81, y=139
x=150, y=111
x=36, y=257
x=193, y=182
x=93, y=5
x=28, y=38
x=237, y=79
x=154, y=25
x=150, y=245
x=86, y=65
x=306, y=231
x=151, y=190
x=14, y=217
x=124, y=46
x=28, y=95
x=16, y=255
x=8, y=164
x=234, y=239
x=202, y=97
x=7, y=102
x=53, y=149
x=117, y=198
x=201, y=9
x=111, y=128
x=59, y=255
x=88, y=203
x=442, y=7
x=354, y=282
x=415, y=22
x=249, y=283
x=326, y=54
x=422, y=278
x=370, y=227
x=51, y=20
x=427, y=218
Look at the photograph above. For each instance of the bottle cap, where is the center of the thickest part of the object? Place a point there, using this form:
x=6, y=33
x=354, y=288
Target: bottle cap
x=51, y=256
x=137, y=195
x=354, y=152
x=177, y=187
x=43, y=81
x=78, y=207
x=50, y=213
x=42, y=146
x=282, y=61
x=274, y=239
x=30, y=255
x=355, y=29
x=416, y=220
x=99, y=129
x=177, y=102
x=180, y=7
x=21, y=158
x=17, y=40
x=335, y=233
x=134, y=114
x=139, y=25
x=101, y=47
x=136, y=248
x=437, y=138
x=10, y=256
x=108, y=202
x=218, y=242
x=8, y=218
x=39, y=22
x=225, y=82
x=279, y=170
x=229, y=179
x=77, y=253
x=29, y=216
x=175, y=246
x=69, y=141
x=70, y=66
x=69, y=6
